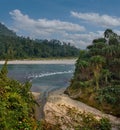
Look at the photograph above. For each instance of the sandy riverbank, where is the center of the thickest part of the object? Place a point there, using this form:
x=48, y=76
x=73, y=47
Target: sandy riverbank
x=58, y=104
x=52, y=61
x=36, y=95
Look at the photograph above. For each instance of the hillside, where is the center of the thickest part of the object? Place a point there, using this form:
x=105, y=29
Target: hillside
x=5, y=31
x=96, y=80
x=15, y=47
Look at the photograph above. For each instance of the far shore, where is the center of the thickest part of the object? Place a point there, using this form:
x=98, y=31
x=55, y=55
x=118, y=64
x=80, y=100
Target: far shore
x=45, y=61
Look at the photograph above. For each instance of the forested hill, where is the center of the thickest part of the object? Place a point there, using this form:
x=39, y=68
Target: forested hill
x=15, y=47
x=5, y=31
x=96, y=79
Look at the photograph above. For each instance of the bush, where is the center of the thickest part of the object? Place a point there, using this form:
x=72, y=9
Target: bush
x=16, y=104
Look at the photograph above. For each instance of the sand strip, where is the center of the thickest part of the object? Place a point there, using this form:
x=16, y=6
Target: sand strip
x=56, y=61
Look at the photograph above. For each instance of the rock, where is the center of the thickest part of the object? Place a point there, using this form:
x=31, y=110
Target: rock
x=62, y=110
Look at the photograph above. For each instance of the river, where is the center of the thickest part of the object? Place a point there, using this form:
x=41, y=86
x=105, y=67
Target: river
x=44, y=77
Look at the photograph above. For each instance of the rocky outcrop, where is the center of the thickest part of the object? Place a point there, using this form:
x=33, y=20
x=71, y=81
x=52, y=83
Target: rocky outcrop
x=64, y=111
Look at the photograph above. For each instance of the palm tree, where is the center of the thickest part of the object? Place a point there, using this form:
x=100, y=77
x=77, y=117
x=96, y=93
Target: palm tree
x=106, y=73
x=82, y=64
x=82, y=70
x=96, y=64
x=108, y=51
x=108, y=33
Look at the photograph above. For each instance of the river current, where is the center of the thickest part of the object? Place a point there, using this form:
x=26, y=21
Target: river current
x=44, y=77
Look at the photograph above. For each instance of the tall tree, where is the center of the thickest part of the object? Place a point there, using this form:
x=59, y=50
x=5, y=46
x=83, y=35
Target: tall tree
x=96, y=63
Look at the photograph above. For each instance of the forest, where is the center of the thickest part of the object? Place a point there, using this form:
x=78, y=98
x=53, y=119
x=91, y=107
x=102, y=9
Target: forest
x=16, y=47
x=96, y=79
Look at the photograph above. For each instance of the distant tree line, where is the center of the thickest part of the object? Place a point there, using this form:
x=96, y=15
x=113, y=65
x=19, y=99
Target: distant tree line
x=14, y=47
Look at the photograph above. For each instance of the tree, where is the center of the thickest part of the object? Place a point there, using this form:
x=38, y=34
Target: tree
x=106, y=73
x=96, y=63
x=108, y=33
x=103, y=59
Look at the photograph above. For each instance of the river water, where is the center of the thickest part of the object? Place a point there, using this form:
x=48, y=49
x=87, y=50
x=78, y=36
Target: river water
x=43, y=77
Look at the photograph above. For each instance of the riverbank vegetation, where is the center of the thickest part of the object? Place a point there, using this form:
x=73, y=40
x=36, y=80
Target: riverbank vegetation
x=96, y=80
x=16, y=104
x=14, y=47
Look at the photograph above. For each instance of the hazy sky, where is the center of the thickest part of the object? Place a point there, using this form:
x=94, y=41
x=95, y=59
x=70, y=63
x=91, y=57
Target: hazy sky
x=75, y=21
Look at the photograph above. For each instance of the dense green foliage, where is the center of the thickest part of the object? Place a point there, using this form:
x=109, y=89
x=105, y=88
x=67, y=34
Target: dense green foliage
x=14, y=47
x=16, y=104
x=96, y=79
